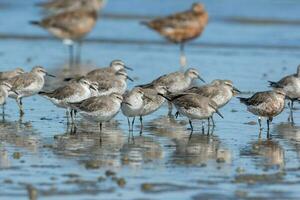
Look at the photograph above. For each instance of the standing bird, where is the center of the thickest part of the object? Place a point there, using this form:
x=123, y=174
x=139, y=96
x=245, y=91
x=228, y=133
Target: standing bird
x=73, y=92
x=194, y=106
x=27, y=84
x=100, y=109
x=69, y=26
x=57, y=6
x=175, y=82
x=134, y=108
x=265, y=104
x=220, y=91
x=181, y=27
x=10, y=74
x=291, y=86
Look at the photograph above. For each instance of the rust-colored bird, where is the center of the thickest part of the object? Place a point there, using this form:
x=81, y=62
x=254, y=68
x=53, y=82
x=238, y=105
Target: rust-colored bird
x=69, y=26
x=181, y=27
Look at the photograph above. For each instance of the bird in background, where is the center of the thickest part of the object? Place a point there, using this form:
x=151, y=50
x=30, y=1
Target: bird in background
x=182, y=27
x=71, y=26
x=5, y=75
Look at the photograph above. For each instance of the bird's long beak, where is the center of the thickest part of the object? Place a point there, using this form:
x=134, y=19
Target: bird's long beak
x=47, y=74
x=201, y=79
x=129, y=78
x=129, y=68
x=14, y=92
x=127, y=103
x=218, y=112
x=93, y=87
x=236, y=90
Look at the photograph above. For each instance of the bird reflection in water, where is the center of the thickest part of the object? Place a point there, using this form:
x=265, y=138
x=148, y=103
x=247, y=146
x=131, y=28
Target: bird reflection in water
x=141, y=150
x=16, y=135
x=269, y=153
x=85, y=145
x=291, y=133
x=200, y=149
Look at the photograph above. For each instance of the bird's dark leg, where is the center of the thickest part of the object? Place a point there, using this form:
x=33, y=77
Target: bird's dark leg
x=128, y=121
x=191, y=125
x=132, y=123
x=142, y=125
x=208, y=125
x=268, y=130
x=20, y=104
x=100, y=126
x=78, y=53
x=170, y=107
x=259, y=122
x=72, y=116
x=176, y=114
x=183, y=61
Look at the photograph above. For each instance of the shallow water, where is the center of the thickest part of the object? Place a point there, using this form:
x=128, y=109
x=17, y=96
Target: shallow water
x=39, y=156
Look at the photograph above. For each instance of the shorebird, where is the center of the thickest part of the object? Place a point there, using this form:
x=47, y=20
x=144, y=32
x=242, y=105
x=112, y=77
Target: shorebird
x=56, y=6
x=291, y=85
x=73, y=92
x=5, y=88
x=10, y=74
x=135, y=98
x=112, y=84
x=69, y=26
x=175, y=82
x=220, y=91
x=267, y=104
x=115, y=66
x=194, y=106
x=181, y=27
x=100, y=109
x=27, y=84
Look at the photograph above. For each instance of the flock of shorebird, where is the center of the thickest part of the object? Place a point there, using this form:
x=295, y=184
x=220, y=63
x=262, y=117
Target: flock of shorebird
x=100, y=94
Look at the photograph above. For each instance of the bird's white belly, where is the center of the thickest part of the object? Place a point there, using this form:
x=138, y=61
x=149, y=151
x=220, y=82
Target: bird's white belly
x=222, y=99
x=133, y=110
x=179, y=86
x=293, y=90
x=101, y=115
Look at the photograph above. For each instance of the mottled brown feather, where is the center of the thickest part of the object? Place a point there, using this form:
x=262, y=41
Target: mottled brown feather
x=22, y=81
x=180, y=27
x=73, y=24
